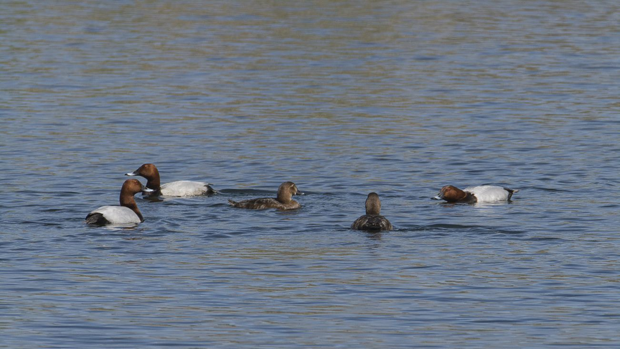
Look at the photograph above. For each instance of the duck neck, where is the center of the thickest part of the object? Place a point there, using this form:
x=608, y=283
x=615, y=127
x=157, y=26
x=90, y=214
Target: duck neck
x=464, y=196
x=373, y=206
x=152, y=178
x=454, y=194
x=470, y=198
x=130, y=203
x=153, y=182
x=284, y=198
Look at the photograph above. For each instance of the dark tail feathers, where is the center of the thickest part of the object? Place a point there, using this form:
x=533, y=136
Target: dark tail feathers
x=96, y=218
x=510, y=192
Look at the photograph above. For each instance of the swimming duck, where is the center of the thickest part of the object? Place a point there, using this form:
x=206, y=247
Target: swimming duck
x=126, y=213
x=178, y=188
x=479, y=194
x=283, y=201
x=372, y=220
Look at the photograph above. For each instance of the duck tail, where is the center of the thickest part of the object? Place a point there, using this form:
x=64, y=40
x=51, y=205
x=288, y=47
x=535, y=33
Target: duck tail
x=511, y=192
x=95, y=218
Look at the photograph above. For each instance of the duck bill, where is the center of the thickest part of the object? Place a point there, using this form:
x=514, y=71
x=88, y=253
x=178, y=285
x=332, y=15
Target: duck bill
x=437, y=197
x=134, y=173
x=147, y=190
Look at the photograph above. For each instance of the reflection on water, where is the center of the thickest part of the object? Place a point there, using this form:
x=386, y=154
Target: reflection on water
x=343, y=98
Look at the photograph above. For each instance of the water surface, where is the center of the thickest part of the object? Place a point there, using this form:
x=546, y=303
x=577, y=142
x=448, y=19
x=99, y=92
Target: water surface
x=343, y=98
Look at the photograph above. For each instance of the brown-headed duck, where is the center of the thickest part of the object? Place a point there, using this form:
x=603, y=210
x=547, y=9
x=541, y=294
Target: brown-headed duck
x=479, y=194
x=284, y=200
x=372, y=220
x=126, y=213
x=178, y=188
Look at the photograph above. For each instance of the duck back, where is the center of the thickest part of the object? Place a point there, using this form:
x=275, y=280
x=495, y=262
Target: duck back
x=186, y=188
x=368, y=222
x=112, y=215
x=490, y=193
x=265, y=203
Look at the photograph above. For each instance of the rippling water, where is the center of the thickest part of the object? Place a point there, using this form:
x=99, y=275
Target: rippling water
x=343, y=98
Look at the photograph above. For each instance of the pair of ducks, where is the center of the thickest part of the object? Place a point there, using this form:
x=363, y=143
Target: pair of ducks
x=373, y=220
x=128, y=212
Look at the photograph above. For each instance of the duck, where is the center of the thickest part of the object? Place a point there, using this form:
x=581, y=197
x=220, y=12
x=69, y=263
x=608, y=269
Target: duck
x=172, y=189
x=283, y=201
x=478, y=194
x=372, y=220
x=126, y=213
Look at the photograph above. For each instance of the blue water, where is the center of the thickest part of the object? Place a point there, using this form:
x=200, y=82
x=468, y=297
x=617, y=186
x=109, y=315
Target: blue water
x=342, y=98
